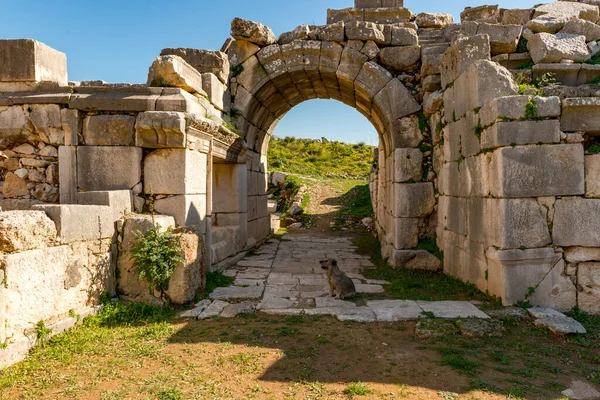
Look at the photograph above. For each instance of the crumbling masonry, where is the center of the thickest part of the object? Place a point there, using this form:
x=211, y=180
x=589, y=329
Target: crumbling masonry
x=502, y=174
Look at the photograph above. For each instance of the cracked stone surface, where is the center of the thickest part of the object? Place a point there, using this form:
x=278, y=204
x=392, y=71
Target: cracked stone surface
x=285, y=278
x=556, y=321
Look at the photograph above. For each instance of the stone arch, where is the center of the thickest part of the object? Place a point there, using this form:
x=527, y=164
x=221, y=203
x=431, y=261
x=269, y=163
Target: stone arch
x=274, y=79
x=278, y=77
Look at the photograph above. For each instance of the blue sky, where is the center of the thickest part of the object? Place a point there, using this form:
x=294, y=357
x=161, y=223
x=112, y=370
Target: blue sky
x=117, y=40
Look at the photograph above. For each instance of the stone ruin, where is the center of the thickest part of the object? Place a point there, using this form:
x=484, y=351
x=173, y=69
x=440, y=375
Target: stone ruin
x=504, y=176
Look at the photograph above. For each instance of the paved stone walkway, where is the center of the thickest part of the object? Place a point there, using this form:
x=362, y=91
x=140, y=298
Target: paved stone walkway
x=285, y=278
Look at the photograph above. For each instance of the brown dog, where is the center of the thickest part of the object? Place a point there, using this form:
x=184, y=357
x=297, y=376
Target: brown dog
x=340, y=285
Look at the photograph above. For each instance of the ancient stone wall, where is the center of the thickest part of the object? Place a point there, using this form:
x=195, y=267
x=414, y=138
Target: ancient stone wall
x=479, y=150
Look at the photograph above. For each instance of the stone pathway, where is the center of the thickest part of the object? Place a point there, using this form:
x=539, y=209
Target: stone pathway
x=285, y=278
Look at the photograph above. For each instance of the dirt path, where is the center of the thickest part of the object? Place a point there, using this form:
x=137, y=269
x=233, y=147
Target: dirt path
x=324, y=205
x=329, y=201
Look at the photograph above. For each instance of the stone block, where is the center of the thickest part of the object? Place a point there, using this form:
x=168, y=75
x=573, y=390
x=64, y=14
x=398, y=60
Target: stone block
x=175, y=171
x=119, y=201
x=331, y=32
x=404, y=233
x=534, y=171
x=188, y=210
x=174, y=71
x=161, y=129
x=108, y=168
x=230, y=188
x=517, y=17
x=254, y=32
x=521, y=132
x=548, y=48
x=513, y=272
x=29, y=62
x=388, y=15
x=240, y=51
x=216, y=91
x=408, y=164
x=588, y=280
x=359, y=30
x=109, y=130
x=14, y=186
x=129, y=285
x=592, y=175
x=33, y=292
x=414, y=259
x=590, y=30
x=508, y=223
x=413, y=200
x=203, y=61
x=581, y=114
x=576, y=222
x=129, y=98
x=25, y=230
x=400, y=59
x=482, y=82
x=176, y=99
x=80, y=222
x=434, y=20
x=463, y=52
x=481, y=13
x=503, y=38
x=67, y=174
x=71, y=122
x=190, y=275
x=571, y=10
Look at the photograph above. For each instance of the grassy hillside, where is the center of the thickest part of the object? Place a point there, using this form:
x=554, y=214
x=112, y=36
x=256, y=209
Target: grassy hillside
x=313, y=158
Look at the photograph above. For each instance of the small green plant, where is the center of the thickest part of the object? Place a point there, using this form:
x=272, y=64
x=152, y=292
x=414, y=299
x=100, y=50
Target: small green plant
x=526, y=65
x=478, y=130
x=595, y=59
x=522, y=45
x=531, y=110
x=357, y=389
x=457, y=361
x=523, y=304
x=42, y=333
x=156, y=255
x=546, y=80
x=228, y=123
x=237, y=70
x=170, y=394
x=72, y=313
x=595, y=81
x=594, y=148
x=428, y=314
x=431, y=246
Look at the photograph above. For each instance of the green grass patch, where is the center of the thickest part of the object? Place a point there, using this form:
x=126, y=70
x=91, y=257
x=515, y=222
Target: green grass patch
x=407, y=284
x=456, y=360
x=215, y=280
x=324, y=160
x=594, y=60
x=357, y=389
x=358, y=202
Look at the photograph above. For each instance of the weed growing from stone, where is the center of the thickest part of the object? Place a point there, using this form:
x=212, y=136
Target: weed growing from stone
x=531, y=110
x=594, y=60
x=156, y=254
x=42, y=333
x=522, y=45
